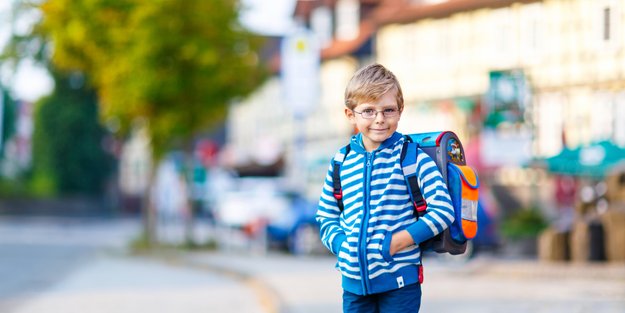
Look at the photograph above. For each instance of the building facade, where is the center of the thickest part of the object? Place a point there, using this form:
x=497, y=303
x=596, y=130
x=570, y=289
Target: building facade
x=526, y=77
x=570, y=53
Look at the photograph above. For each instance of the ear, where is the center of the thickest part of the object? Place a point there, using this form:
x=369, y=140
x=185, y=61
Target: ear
x=350, y=116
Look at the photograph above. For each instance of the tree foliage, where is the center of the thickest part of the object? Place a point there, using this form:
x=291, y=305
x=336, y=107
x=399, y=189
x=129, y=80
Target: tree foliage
x=7, y=114
x=69, y=151
x=175, y=63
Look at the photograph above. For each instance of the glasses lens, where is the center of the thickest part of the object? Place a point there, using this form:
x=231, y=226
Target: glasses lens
x=369, y=114
x=390, y=112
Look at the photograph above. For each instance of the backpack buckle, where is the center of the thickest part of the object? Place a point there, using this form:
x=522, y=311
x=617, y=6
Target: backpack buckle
x=420, y=208
x=338, y=195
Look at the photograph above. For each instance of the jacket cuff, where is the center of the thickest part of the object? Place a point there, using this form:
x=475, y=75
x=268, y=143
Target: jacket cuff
x=338, y=242
x=420, y=232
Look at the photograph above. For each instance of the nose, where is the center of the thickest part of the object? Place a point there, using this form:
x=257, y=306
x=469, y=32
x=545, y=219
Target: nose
x=379, y=117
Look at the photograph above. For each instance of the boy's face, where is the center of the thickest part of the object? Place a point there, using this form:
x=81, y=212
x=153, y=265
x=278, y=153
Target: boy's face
x=377, y=129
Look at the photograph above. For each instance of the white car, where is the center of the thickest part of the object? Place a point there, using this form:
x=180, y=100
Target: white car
x=241, y=208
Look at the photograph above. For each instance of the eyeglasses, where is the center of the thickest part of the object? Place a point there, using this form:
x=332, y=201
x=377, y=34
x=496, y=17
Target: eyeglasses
x=371, y=113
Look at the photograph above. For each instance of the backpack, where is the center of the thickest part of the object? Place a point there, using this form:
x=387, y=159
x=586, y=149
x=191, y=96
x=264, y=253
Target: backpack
x=462, y=182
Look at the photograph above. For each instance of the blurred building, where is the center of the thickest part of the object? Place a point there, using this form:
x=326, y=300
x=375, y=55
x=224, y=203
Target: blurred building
x=134, y=169
x=264, y=122
x=520, y=78
x=569, y=54
x=17, y=150
x=528, y=77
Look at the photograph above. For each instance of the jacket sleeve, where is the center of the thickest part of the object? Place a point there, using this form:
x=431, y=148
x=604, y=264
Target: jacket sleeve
x=440, y=213
x=328, y=217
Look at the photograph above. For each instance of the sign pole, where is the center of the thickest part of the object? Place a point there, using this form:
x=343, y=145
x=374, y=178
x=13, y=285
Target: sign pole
x=300, y=86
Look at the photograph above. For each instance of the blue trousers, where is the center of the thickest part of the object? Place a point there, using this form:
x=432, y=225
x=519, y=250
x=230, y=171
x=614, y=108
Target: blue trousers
x=403, y=300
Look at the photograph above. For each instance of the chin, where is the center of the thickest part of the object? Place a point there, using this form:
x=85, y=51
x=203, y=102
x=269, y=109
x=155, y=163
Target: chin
x=380, y=139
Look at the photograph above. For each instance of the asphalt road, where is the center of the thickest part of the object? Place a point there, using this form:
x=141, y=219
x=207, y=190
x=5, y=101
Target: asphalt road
x=57, y=265
x=36, y=253
x=77, y=265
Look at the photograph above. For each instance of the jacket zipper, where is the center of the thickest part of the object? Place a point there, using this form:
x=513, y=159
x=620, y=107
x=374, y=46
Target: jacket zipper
x=364, y=269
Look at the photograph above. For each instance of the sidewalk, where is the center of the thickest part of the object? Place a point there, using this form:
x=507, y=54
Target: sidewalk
x=310, y=284
x=121, y=284
x=495, y=285
x=288, y=284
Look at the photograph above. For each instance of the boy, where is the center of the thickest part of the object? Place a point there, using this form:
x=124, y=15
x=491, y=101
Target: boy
x=376, y=235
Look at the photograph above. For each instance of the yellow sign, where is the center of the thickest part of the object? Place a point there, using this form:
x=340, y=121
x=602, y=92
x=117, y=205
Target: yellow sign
x=300, y=45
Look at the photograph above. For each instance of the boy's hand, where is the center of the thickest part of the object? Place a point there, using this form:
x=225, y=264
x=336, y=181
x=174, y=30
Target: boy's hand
x=400, y=240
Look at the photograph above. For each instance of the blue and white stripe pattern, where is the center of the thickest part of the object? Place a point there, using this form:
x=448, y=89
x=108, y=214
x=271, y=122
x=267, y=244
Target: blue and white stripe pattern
x=376, y=205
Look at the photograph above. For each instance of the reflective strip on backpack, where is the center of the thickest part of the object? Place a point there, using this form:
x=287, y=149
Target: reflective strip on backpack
x=469, y=194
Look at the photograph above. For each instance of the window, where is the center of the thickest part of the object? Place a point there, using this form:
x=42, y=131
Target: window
x=606, y=24
x=347, y=19
x=532, y=30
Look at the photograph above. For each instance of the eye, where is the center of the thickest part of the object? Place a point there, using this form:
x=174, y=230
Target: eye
x=390, y=111
x=368, y=111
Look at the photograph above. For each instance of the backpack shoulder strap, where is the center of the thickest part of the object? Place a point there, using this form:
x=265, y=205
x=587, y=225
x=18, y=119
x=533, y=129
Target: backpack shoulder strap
x=408, y=160
x=337, y=190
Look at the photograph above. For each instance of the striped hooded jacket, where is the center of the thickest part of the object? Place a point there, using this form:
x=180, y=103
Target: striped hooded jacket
x=376, y=205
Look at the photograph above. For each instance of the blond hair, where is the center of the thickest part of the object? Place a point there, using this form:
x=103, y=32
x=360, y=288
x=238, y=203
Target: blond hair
x=370, y=83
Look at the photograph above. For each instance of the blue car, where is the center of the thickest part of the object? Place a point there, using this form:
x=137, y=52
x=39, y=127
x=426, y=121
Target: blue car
x=297, y=230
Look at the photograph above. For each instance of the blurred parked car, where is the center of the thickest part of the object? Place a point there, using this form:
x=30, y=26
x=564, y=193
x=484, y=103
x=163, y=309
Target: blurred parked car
x=265, y=207
x=297, y=230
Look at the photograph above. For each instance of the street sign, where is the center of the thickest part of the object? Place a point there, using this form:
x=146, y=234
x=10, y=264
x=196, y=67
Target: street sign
x=300, y=71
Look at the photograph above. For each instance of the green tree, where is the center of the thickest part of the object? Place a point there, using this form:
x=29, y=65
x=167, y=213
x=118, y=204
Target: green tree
x=8, y=119
x=69, y=154
x=176, y=64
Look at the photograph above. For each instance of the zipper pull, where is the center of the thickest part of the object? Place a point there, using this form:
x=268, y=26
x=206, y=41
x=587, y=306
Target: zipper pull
x=369, y=155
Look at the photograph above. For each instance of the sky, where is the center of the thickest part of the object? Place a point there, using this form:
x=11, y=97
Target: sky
x=30, y=82
x=269, y=17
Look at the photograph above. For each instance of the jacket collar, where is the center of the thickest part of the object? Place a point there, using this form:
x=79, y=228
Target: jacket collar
x=356, y=142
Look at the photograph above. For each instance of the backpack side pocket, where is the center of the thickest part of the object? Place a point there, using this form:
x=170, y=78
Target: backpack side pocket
x=463, y=188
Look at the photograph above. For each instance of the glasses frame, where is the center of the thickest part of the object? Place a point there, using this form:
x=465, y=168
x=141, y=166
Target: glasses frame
x=396, y=112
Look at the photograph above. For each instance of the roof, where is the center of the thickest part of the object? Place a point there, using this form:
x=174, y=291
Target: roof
x=343, y=47
x=303, y=8
x=384, y=12
x=408, y=13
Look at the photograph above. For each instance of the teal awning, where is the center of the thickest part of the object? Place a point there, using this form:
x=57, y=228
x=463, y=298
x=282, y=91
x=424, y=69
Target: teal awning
x=592, y=161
